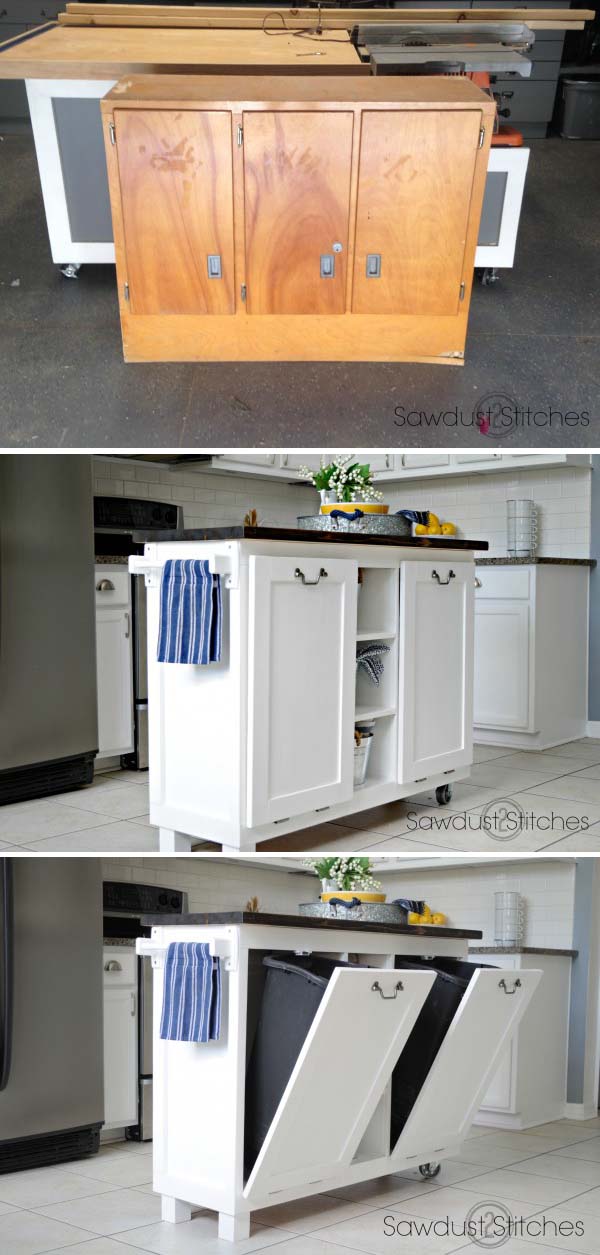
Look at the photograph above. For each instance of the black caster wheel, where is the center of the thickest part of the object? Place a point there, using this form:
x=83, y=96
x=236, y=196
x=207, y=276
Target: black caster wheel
x=71, y=271
x=443, y=794
x=429, y=1170
x=489, y=276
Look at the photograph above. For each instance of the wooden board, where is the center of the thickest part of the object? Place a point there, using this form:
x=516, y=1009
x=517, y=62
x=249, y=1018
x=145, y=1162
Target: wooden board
x=238, y=16
x=178, y=209
x=414, y=193
x=296, y=210
x=90, y=53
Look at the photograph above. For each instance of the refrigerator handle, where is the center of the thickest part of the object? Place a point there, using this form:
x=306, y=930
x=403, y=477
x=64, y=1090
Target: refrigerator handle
x=6, y=970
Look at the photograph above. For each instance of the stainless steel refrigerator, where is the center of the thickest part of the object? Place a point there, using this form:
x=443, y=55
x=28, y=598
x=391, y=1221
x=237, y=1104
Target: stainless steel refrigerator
x=48, y=709
x=51, y=1044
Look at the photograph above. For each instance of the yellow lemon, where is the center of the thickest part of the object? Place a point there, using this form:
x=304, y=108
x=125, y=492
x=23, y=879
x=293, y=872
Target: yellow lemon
x=413, y=918
x=438, y=918
x=448, y=529
x=434, y=521
x=426, y=911
x=420, y=529
x=433, y=529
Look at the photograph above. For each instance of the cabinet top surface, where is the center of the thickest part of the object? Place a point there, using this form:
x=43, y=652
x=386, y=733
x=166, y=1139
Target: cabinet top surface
x=536, y=562
x=419, y=91
x=308, y=921
x=302, y=536
x=567, y=954
x=108, y=52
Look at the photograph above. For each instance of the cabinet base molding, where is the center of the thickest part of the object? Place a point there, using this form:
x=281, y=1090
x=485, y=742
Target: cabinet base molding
x=530, y=740
x=518, y=1123
x=579, y=1111
x=294, y=338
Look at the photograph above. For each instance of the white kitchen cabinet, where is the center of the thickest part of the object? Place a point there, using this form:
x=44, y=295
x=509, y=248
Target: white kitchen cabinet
x=302, y=660
x=396, y=467
x=436, y=651
x=345, y=1062
x=531, y=642
x=120, y=1037
x=529, y=1085
x=114, y=660
x=262, y=743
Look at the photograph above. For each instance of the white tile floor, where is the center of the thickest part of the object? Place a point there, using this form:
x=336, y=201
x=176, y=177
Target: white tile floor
x=104, y=1205
x=558, y=789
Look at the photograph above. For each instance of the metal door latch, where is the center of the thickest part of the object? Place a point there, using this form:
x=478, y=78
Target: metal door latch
x=435, y=576
x=213, y=263
x=299, y=575
x=503, y=985
x=327, y=266
x=373, y=265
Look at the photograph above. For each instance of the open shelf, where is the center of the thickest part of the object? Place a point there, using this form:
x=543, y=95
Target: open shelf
x=375, y=636
x=377, y=603
x=362, y=713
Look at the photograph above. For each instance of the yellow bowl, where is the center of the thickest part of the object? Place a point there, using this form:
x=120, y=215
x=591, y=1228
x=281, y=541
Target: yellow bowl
x=348, y=894
x=348, y=507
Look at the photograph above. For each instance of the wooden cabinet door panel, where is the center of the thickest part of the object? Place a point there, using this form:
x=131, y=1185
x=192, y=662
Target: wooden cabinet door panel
x=175, y=173
x=297, y=190
x=414, y=194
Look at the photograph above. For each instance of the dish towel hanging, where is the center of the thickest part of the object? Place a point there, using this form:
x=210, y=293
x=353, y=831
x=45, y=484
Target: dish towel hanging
x=191, y=612
x=191, y=1009
x=371, y=658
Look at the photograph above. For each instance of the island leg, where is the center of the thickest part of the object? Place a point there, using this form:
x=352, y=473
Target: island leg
x=234, y=1228
x=170, y=841
x=174, y=1210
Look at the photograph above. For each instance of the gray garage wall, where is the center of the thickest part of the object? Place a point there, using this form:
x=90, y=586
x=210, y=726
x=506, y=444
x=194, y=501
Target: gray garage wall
x=594, y=668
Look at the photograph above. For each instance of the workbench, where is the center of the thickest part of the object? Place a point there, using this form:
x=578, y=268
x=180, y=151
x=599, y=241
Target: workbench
x=332, y=1128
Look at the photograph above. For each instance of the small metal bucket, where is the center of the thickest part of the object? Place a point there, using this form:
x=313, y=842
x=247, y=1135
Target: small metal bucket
x=362, y=753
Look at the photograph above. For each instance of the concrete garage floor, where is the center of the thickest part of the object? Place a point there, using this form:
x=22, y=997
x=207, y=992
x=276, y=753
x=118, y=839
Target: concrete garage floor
x=534, y=338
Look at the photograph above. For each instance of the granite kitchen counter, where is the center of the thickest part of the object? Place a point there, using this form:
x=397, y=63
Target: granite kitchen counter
x=566, y=954
x=298, y=534
x=591, y=562
x=309, y=921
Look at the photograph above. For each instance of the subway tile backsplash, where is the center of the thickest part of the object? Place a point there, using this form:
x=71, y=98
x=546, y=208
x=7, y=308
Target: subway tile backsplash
x=476, y=503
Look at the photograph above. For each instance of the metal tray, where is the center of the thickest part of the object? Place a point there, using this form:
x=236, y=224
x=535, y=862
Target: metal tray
x=378, y=912
x=371, y=524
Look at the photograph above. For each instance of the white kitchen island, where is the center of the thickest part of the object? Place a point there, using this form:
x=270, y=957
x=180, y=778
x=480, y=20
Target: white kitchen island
x=332, y=1127
x=262, y=743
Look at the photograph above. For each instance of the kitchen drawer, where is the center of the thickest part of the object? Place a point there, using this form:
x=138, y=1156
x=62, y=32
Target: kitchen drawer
x=126, y=971
x=530, y=102
x=119, y=594
x=504, y=582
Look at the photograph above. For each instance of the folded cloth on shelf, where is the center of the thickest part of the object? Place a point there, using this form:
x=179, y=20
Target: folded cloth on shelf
x=191, y=1009
x=191, y=612
x=370, y=657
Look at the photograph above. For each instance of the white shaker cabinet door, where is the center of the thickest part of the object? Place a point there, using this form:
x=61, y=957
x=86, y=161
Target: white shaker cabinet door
x=502, y=664
x=114, y=666
x=301, y=681
x=436, y=668
x=120, y=1057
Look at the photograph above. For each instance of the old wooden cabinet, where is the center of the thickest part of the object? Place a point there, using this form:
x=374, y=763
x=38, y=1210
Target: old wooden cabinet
x=296, y=219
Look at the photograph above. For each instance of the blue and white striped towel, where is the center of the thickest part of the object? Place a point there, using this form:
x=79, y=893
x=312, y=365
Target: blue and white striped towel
x=190, y=612
x=191, y=1009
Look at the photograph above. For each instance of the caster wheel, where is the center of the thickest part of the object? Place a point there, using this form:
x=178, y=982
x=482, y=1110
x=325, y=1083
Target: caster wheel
x=71, y=271
x=443, y=794
x=429, y=1170
x=489, y=276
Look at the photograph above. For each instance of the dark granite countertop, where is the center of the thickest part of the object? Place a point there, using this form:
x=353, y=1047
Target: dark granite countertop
x=106, y=559
x=310, y=921
x=119, y=941
x=241, y=532
x=591, y=562
x=567, y=954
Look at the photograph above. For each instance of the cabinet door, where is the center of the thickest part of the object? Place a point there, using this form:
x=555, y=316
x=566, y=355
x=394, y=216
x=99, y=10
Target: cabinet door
x=297, y=190
x=120, y=1057
x=436, y=668
x=114, y=670
x=415, y=460
x=502, y=676
x=175, y=175
x=414, y=196
x=302, y=663
x=462, y=459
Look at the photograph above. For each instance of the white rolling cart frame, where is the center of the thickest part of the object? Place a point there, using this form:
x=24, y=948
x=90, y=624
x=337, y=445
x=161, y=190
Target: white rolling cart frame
x=261, y=744
x=365, y=1018
x=70, y=253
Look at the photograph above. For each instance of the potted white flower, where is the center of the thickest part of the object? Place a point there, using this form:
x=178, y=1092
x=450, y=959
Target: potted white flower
x=345, y=485
x=346, y=877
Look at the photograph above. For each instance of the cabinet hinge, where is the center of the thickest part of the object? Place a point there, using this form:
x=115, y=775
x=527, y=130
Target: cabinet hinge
x=481, y=137
x=461, y=295
x=243, y=291
x=112, y=133
x=126, y=291
x=240, y=136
